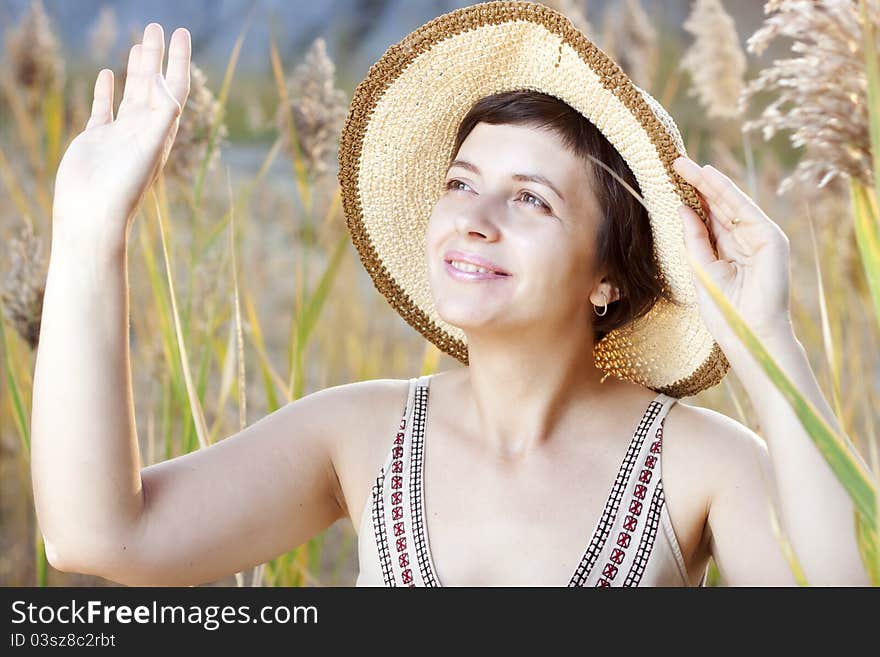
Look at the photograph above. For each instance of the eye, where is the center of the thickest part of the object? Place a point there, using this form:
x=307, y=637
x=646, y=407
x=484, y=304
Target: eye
x=452, y=184
x=540, y=204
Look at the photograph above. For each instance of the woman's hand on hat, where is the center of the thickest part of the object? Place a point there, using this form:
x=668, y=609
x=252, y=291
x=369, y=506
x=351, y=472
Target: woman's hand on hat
x=752, y=266
x=108, y=167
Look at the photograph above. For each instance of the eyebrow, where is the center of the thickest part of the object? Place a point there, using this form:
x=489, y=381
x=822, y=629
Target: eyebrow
x=522, y=177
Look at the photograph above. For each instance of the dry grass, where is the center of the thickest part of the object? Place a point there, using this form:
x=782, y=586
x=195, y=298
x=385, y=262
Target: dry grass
x=298, y=313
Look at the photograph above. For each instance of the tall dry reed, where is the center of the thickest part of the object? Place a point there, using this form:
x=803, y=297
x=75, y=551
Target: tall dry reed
x=316, y=107
x=34, y=54
x=716, y=61
x=820, y=92
x=630, y=37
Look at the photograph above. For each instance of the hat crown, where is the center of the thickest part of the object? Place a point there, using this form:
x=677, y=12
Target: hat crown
x=401, y=128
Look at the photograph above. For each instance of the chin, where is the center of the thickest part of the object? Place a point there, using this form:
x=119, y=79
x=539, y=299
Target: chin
x=466, y=314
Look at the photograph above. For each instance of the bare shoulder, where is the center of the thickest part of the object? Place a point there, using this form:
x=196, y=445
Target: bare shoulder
x=368, y=400
x=256, y=494
x=370, y=412
x=701, y=447
x=743, y=498
x=711, y=437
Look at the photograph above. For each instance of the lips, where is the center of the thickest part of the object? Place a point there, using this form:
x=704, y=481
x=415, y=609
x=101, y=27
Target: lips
x=473, y=259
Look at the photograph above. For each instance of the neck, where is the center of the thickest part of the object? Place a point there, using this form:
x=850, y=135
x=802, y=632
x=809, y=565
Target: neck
x=519, y=385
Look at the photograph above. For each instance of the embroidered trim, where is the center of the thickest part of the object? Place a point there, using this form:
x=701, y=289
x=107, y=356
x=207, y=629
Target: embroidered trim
x=416, y=472
x=379, y=529
x=609, y=514
x=419, y=532
x=399, y=526
x=646, y=544
x=652, y=521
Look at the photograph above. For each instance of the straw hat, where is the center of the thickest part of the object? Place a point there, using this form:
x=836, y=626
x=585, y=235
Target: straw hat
x=401, y=128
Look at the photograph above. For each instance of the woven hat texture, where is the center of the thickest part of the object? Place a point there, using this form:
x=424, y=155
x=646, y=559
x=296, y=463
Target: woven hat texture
x=396, y=144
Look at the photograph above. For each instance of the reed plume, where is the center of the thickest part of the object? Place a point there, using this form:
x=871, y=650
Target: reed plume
x=199, y=118
x=631, y=40
x=23, y=286
x=820, y=92
x=33, y=52
x=715, y=60
x=317, y=109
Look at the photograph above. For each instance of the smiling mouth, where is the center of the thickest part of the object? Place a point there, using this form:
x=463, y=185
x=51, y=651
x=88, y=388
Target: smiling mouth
x=468, y=268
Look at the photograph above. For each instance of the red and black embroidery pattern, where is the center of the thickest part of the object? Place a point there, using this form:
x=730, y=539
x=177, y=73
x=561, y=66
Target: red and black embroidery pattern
x=651, y=520
x=609, y=514
x=415, y=486
x=400, y=530
x=379, y=527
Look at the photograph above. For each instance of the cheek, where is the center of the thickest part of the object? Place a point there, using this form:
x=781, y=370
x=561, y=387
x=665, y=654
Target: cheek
x=550, y=257
x=558, y=268
x=431, y=234
x=433, y=240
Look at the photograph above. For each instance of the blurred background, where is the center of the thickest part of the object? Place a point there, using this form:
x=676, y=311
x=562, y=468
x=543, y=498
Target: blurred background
x=254, y=167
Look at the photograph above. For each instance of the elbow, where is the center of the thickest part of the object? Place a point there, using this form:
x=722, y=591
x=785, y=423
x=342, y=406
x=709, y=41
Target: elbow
x=62, y=559
x=67, y=561
x=53, y=556
x=83, y=561
x=119, y=562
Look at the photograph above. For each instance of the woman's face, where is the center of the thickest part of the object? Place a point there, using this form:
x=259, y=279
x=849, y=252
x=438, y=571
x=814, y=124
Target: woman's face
x=517, y=198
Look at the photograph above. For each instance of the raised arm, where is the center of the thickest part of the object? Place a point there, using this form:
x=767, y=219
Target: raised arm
x=84, y=459
x=751, y=269
x=200, y=516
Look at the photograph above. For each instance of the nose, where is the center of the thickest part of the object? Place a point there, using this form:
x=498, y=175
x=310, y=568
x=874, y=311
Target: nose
x=480, y=217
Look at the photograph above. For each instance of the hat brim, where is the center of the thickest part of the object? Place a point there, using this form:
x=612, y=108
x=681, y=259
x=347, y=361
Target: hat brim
x=397, y=140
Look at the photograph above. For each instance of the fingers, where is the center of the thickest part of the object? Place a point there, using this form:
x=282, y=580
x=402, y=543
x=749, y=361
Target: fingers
x=102, y=105
x=177, y=75
x=152, y=53
x=696, y=237
x=735, y=203
x=725, y=199
x=131, y=72
x=149, y=57
x=145, y=63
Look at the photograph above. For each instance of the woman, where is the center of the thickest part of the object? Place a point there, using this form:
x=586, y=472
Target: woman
x=492, y=215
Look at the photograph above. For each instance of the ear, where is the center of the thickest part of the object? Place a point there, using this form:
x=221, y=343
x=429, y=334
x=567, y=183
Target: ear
x=611, y=293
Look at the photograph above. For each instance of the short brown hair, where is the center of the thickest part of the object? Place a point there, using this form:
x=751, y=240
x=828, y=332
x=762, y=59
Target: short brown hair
x=624, y=243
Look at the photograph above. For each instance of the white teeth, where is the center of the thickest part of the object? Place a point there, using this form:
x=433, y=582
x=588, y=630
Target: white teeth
x=466, y=266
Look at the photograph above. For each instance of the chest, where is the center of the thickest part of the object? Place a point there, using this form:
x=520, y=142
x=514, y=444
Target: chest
x=538, y=524
x=486, y=522
x=524, y=526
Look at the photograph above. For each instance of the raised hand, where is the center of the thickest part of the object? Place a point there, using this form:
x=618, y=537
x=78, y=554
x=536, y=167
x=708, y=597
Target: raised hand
x=107, y=169
x=752, y=267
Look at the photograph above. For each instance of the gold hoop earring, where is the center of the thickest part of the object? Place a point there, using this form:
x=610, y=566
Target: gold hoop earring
x=602, y=314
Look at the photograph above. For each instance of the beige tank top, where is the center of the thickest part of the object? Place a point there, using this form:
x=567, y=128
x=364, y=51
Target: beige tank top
x=632, y=544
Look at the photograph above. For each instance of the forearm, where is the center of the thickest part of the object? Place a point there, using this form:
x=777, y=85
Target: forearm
x=84, y=451
x=816, y=511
